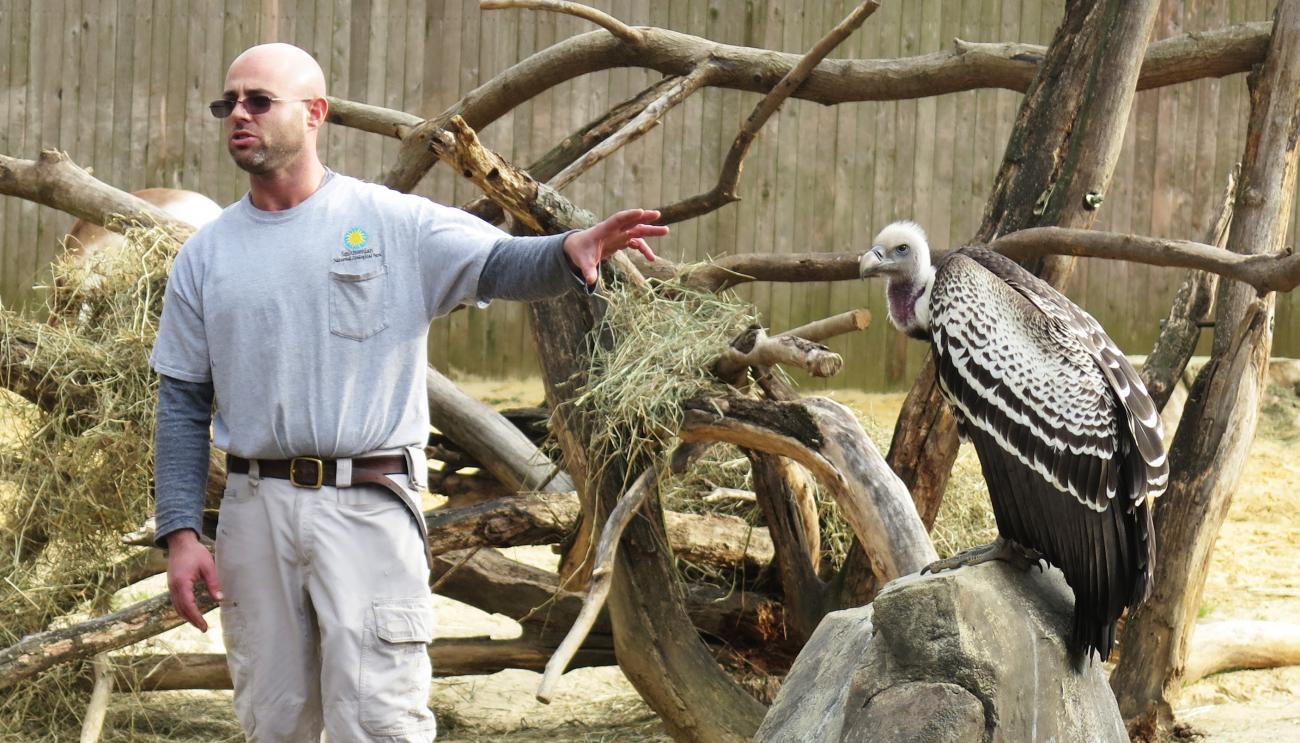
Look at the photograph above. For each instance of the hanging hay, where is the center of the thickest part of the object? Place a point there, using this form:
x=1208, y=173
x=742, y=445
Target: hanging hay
x=77, y=459
x=664, y=342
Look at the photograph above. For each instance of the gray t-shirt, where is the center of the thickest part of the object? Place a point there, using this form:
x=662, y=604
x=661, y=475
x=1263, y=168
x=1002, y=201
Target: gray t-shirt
x=312, y=322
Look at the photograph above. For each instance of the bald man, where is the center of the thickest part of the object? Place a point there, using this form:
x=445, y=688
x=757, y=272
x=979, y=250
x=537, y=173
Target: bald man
x=295, y=328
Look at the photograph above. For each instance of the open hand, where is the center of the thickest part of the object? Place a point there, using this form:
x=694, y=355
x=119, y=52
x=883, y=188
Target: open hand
x=626, y=229
x=189, y=562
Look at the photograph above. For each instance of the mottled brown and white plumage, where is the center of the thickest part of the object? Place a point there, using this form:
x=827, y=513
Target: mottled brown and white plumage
x=1068, y=438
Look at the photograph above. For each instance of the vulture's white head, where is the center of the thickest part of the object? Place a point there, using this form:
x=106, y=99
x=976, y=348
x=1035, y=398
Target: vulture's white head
x=901, y=254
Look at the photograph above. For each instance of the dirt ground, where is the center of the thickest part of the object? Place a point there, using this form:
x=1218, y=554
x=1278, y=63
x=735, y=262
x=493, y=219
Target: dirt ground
x=1255, y=574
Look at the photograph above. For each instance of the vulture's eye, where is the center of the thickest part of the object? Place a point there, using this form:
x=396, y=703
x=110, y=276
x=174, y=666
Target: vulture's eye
x=902, y=249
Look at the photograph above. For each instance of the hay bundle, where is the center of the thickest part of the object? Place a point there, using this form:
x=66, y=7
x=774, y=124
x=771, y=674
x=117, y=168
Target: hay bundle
x=77, y=463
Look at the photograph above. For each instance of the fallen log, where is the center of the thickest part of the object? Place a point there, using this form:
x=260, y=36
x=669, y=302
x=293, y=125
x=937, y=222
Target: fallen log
x=461, y=656
x=145, y=619
x=1239, y=644
x=490, y=439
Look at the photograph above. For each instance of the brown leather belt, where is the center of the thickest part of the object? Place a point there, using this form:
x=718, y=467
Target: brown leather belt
x=313, y=472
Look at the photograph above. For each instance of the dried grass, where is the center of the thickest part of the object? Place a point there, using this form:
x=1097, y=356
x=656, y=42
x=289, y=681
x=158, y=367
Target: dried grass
x=79, y=466
x=663, y=343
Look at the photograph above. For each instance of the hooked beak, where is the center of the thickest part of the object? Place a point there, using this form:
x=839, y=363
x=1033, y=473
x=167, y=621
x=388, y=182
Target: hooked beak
x=871, y=262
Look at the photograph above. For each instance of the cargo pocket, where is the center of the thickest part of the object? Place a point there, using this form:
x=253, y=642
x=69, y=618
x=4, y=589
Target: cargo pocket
x=395, y=669
x=359, y=303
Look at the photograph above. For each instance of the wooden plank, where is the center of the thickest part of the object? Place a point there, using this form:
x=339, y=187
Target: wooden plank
x=13, y=31
x=441, y=89
x=48, y=82
x=201, y=72
x=97, y=90
x=501, y=325
x=756, y=203
x=839, y=294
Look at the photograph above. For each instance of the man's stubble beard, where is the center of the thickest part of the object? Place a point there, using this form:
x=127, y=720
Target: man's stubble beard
x=267, y=158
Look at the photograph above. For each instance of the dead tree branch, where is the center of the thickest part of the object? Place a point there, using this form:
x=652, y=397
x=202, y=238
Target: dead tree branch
x=495, y=443
x=602, y=575
x=579, y=143
x=642, y=123
x=755, y=348
x=1236, y=644
x=1271, y=272
x=373, y=119
x=823, y=436
x=1182, y=329
x=55, y=181
x=604, y=20
x=36, y=653
x=1218, y=423
x=724, y=191
x=720, y=542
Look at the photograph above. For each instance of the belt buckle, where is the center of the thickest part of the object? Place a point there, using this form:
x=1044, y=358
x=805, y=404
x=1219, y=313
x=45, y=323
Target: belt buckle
x=306, y=463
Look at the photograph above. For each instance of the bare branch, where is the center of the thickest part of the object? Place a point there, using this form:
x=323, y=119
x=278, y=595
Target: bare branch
x=724, y=191
x=755, y=348
x=1271, y=272
x=373, y=119
x=601, y=578
x=1223, y=646
x=604, y=20
x=55, y=181
x=102, y=634
x=969, y=66
x=829, y=327
x=648, y=119
x=580, y=142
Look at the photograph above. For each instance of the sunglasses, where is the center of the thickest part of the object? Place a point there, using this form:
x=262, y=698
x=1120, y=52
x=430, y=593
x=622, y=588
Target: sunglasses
x=253, y=104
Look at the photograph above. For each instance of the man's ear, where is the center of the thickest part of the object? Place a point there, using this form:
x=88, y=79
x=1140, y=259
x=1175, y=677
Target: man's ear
x=317, y=111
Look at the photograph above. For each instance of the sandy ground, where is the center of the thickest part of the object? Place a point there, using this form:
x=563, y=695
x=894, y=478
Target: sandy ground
x=1255, y=574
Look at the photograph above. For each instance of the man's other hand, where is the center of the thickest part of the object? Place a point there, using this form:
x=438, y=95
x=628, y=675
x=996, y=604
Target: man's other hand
x=189, y=562
x=626, y=229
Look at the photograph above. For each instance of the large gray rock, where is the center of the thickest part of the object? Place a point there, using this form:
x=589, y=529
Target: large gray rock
x=975, y=654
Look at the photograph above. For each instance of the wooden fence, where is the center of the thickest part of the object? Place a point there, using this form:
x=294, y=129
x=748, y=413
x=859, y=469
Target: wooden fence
x=122, y=86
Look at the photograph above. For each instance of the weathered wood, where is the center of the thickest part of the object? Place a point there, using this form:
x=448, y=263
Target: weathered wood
x=756, y=348
x=486, y=435
x=96, y=709
x=534, y=597
x=1218, y=423
x=1239, y=644
x=825, y=437
x=145, y=619
x=602, y=575
x=1177, y=341
x=55, y=181
x=724, y=191
x=579, y=143
x=461, y=656
x=782, y=489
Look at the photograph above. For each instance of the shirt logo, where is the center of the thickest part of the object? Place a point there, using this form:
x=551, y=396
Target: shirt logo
x=356, y=239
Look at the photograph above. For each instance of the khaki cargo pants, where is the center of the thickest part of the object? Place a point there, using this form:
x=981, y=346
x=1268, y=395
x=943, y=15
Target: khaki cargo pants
x=327, y=612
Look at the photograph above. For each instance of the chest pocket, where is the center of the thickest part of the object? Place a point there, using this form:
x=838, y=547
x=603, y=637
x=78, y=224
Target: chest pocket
x=359, y=303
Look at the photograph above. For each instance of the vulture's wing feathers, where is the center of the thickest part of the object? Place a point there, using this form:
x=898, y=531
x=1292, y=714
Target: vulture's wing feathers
x=1062, y=426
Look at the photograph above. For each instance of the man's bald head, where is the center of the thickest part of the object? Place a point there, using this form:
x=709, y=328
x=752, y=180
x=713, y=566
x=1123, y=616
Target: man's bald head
x=281, y=138
x=282, y=68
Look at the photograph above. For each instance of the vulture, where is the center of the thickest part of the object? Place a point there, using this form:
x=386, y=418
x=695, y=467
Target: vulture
x=1068, y=438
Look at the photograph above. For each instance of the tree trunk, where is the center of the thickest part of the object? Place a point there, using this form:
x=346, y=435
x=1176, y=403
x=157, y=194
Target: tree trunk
x=1058, y=163
x=1218, y=424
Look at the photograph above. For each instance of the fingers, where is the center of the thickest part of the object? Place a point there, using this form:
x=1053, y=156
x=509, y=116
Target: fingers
x=208, y=572
x=182, y=593
x=643, y=247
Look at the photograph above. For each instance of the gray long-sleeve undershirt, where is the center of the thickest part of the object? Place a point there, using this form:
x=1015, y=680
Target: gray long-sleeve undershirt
x=523, y=269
